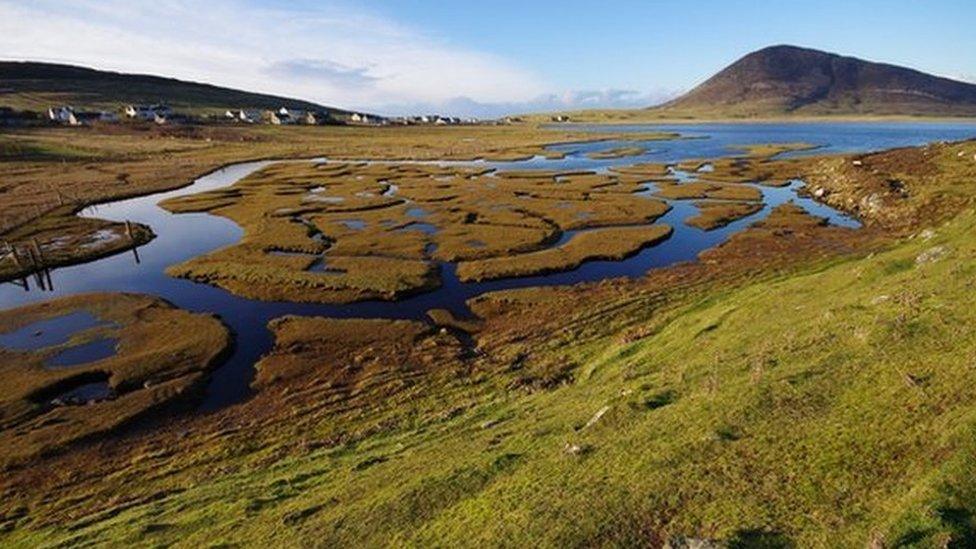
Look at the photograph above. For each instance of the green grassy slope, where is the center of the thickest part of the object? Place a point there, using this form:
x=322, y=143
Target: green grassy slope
x=37, y=86
x=768, y=413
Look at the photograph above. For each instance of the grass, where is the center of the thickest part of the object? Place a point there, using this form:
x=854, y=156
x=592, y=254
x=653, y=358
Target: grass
x=38, y=86
x=725, y=423
x=612, y=243
x=704, y=189
x=365, y=220
x=815, y=400
x=712, y=215
x=620, y=152
x=31, y=149
x=46, y=169
x=143, y=373
x=708, y=116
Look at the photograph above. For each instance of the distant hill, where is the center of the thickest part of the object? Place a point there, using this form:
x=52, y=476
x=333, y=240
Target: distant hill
x=787, y=80
x=37, y=86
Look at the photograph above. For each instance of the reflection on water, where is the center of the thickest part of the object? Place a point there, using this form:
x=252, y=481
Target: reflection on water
x=85, y=393
x=425, y=228
x=184, y=236
x=83, y=353
x=49, y=332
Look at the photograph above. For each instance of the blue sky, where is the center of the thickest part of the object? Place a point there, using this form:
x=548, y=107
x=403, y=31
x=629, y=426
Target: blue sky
x=480, y=58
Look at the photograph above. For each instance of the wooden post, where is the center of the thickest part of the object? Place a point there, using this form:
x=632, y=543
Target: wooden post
x=16, y=256
x=40, y=254
x=39, y=278
x=128, y=230
x=33, y=258
x=36, y=264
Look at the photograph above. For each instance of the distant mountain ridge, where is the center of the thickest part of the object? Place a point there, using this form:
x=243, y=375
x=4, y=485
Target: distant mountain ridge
x=789, y=80
x=36, y=86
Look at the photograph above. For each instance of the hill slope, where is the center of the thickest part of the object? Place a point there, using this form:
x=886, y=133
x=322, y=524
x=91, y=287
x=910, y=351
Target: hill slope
x=37, y=86
x=783, y=80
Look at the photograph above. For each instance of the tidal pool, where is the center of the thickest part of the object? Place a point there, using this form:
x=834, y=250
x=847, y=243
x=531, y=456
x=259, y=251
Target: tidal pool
x=49, y=332
x=99, y=390
x=83, y=353
x=184, y=236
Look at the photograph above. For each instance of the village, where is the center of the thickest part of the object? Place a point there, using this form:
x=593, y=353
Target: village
x=162, y=114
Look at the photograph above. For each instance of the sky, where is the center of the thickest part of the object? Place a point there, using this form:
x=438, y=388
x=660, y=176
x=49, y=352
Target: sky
x=475, y=58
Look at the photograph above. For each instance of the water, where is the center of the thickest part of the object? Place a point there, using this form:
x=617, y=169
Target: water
x=183, y=236
x=82, y=394
x=425, y=228
x=354, y=224
x=84, y=353
x=49, y=332
x=716, y=140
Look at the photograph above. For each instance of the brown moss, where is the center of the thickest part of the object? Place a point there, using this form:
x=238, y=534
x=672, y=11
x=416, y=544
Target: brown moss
x=612, y=243
x=619, y=152
x=162, y=354
x=83, y=166
x=642, y=170
x=65, y=239
x=446, y=319
x=344, y=353
x=255, y=274
x=376, y=226
x=712, y=215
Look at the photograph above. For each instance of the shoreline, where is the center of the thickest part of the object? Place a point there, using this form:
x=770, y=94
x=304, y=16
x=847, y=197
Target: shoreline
x=840, y=119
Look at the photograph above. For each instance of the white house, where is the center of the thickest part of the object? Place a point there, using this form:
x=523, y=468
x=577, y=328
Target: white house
x=62, y=114
x=277, y=118
x=313, y=118
x=141, y=112
x=68, y=115
x=247, y=116
x=147, y=112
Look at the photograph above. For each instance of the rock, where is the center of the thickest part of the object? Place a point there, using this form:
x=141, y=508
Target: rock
x=871, y=204
x=879, y=299
x=857, y=163
x=596, y=417
x=577, y=449
x=820, y=192
x=927, y=234
x=931, y=255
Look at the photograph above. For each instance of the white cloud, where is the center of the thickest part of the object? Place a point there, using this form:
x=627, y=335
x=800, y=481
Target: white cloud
x=566, y=101
x=334, y=54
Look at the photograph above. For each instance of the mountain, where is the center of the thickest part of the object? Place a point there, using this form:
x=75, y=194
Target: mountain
x=37, y=86
x=788, y=80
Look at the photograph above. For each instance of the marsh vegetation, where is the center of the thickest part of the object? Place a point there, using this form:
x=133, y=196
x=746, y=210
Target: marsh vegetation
x=671, y=404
